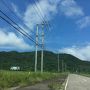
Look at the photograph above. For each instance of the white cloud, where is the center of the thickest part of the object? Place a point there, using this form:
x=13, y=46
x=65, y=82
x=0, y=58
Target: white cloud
x=9, y=39
x=70, y=8
x=47, y=8
x=80, y=52
x=84, y=22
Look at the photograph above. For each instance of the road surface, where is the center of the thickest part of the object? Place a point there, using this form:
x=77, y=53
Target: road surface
x=77, y=82
x=43, y=85
x=35, y=87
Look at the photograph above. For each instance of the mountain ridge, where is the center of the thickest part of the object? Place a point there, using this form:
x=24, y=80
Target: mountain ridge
x=26, y=61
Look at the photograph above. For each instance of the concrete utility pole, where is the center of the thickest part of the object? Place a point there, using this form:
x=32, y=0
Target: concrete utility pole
x=36, y=48
x=65, y=67
x=62, y=65
x=58, y=63
x=42, y=48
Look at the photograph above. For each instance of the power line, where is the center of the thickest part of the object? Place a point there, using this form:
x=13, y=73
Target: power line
x=36, y=9
x=19, y=30
x=15, y=28
x=15, y=23
x=39, y=11
x=5, y=4
x=39, y=14
x=39, y=8
x=43, y=16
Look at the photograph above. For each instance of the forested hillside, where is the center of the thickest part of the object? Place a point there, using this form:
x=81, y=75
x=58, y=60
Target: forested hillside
x=26, y=60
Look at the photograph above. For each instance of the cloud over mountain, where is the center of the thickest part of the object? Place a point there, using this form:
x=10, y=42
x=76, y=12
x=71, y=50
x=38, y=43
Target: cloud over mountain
x=11, y=40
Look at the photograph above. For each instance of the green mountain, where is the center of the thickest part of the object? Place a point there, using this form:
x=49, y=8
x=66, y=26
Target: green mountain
x=26, y=61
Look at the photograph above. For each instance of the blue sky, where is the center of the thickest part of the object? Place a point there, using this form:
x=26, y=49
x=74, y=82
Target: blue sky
x=69, y=21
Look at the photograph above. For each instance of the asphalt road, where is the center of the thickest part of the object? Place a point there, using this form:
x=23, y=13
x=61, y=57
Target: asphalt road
x=35, y=87
x=77, y=82
x=43, y=85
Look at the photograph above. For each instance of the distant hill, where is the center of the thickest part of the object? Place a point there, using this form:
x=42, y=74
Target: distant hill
x=26, y=61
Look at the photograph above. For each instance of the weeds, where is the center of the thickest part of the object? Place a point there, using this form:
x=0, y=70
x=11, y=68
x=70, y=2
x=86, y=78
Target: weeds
x=18, y=78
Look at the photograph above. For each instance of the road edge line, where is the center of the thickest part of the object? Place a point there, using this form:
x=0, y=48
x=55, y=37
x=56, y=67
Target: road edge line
x=66, y=83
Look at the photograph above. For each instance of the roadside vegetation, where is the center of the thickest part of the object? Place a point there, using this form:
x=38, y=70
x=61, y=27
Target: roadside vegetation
x=56, y=86
x=19, y=78
x=60, y=83
x=85, y=74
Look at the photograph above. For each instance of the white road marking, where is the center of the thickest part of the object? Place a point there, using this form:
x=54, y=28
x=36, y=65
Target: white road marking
x=66, y=83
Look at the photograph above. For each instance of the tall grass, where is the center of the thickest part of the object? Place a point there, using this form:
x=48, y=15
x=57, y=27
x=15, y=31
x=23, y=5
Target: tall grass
x=18, y=78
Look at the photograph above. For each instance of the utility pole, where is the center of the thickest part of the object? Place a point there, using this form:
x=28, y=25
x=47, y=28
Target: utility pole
x=58, y=63
x=42, y=48
x=36, y=48
x=65, y=67
x=62, y=65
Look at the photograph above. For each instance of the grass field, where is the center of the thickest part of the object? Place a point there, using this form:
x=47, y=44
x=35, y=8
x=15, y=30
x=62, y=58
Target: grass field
x=18, y=78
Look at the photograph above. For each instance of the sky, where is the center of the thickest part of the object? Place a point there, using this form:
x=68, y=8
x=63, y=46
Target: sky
x=69, y=22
